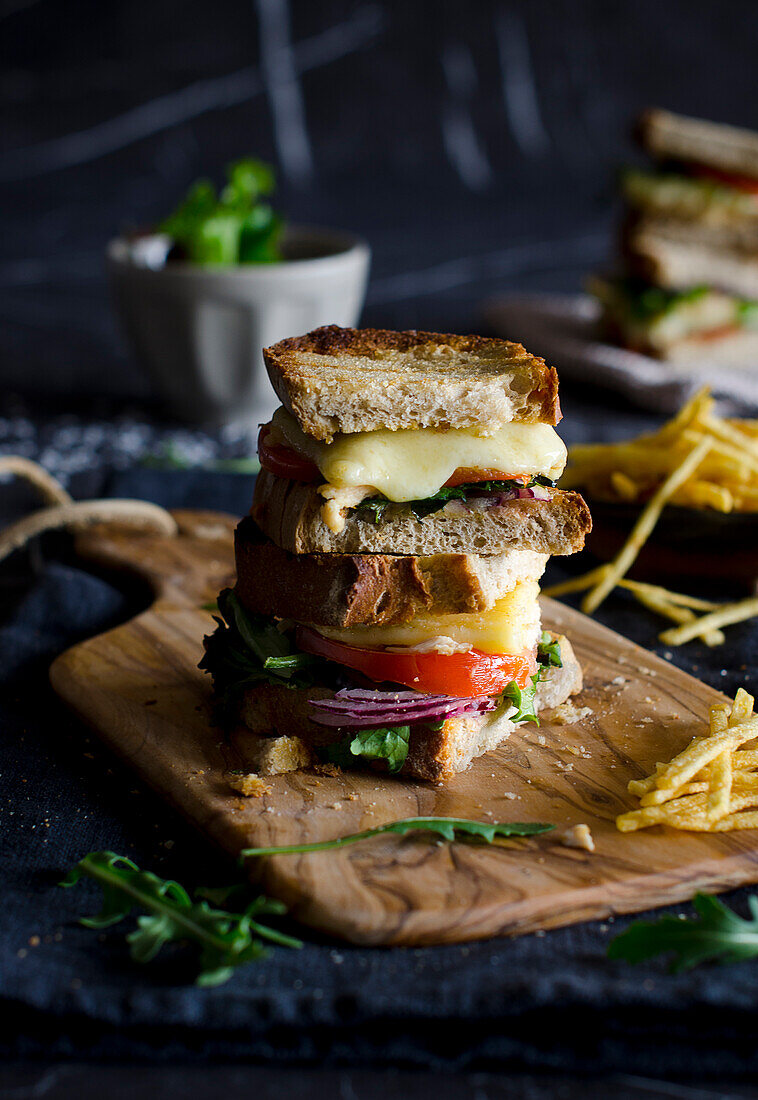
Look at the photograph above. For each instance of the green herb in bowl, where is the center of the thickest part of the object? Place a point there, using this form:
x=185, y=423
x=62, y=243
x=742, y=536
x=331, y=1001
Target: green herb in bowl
x=235, y=227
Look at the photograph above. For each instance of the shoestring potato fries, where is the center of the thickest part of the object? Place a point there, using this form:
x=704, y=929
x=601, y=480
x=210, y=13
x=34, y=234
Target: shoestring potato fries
x=726, y=479
x=697, y=460
x=712, y=786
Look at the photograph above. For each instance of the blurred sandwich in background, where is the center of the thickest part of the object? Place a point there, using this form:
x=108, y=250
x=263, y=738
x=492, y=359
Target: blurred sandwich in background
x=689, y=256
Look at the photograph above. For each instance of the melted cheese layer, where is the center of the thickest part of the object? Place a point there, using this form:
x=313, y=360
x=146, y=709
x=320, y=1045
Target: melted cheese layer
x=510, y=626
x=414, y=464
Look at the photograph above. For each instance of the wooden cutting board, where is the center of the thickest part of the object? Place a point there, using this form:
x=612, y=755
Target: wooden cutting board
x=139, y=687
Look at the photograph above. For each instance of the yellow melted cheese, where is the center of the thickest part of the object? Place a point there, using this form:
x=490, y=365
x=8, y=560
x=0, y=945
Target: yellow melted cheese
x=510, y=626
x=414, y=464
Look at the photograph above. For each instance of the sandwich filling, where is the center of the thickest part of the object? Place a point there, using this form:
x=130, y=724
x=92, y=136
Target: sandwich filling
x=650, y=319
x=694, y=193
x=358, y=686
x=410, y=465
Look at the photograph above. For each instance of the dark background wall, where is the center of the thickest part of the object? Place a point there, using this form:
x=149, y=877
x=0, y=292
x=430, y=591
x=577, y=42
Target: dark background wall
x=472, y=142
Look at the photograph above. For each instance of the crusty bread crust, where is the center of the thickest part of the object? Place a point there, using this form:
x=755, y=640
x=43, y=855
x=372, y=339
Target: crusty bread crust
x=676, y=137
x=355, y=380
x=289, y=513
x=343, y=590
x=435, y=755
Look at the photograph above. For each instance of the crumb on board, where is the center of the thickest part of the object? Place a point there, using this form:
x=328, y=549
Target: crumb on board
x=568, y=713
x=577, y=836
x=328, y=769
x=248, y=784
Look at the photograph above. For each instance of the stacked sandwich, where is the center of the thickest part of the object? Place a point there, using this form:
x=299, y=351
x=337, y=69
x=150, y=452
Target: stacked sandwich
x=386, y=605
x=690, y=245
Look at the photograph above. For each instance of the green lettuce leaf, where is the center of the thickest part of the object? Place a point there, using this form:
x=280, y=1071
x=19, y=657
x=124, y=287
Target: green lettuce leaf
x=376, y=506
x=522, y=699
x=248, y=649
x=549, y=651
x=388, y=743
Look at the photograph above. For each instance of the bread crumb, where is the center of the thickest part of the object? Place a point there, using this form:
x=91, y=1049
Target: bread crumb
x=510, y=794
x=277, y=755
x=577, y=836
x=328, y=769
x=249, y=784
x=568, y=713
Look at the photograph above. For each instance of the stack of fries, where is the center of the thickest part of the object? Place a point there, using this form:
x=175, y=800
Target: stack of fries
x=698, y=460
x=712, y=786
x=725, y=479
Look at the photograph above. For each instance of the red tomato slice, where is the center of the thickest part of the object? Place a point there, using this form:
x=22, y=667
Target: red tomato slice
x=461, y=674
x=465, y=475
x=731, y=179
x=282, y=461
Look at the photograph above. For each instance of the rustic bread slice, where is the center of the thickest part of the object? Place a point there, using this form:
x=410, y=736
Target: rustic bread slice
x=359, y=380
x=678, y=255
x=289, y=513
x=342, y=590
x=676, y=137
x=279, y=715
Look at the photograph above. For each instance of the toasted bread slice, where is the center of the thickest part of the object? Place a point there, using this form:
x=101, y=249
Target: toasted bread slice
x=280, y=716
x=343, y=590
x=359, y=380
x=677, y=255
x=289, y=513
x=676, y=137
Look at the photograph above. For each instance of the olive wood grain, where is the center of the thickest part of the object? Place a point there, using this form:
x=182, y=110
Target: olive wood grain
x=139, y=687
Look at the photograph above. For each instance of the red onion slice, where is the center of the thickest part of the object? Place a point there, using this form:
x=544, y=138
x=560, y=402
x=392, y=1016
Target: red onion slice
x=363, y=709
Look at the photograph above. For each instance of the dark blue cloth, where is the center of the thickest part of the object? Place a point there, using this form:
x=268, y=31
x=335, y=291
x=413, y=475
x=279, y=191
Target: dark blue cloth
x=548, y=1001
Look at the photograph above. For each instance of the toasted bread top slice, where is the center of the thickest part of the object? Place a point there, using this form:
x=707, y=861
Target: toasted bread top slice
x=360, y=380
x=677, y=137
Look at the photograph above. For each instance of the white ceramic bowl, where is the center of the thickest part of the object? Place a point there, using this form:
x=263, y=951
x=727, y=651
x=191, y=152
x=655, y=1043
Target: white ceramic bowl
x=198, y=331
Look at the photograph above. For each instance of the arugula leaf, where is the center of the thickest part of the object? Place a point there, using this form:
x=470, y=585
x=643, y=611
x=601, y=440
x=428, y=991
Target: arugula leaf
x=451, y=828
x=522, y=699
x=388, y=743
x=235, y=228
x=718, y=935
x=226, y=940
x=248, y=649
x=747, y=313
x=375, y=505
x=426, y=507
x=549, y=651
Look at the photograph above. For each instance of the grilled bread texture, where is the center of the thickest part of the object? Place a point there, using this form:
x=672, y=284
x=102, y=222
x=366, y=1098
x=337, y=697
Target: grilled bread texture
x=275, y=715
x=669, y=136
x=289, y=513
x=344, y=590
x=360, y=380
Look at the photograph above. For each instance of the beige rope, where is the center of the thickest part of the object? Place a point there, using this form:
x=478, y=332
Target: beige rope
x=49, y=489
x=74, y=515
